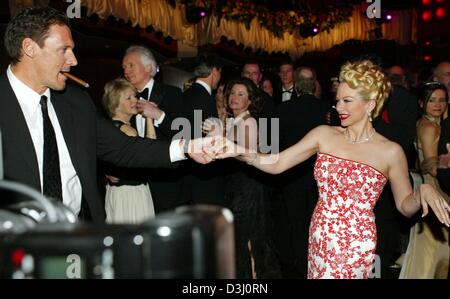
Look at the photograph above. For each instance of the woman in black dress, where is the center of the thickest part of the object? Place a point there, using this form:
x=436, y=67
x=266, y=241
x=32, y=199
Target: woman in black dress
x=248, y=197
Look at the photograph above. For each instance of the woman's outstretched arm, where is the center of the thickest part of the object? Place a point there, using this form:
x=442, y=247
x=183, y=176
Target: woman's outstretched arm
x=277, y=163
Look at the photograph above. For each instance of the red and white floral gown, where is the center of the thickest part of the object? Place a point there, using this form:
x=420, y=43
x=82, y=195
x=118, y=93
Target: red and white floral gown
x=342, y=235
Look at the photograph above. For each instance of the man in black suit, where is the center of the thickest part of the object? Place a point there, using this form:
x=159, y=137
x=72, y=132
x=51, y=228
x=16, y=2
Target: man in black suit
x=285, y=92
x=52, y=135
x=140, y=68
x=202, y=183
x=162, y=103
x=298, y=116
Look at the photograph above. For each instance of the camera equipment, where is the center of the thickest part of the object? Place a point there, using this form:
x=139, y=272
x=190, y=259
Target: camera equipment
x=194, y=242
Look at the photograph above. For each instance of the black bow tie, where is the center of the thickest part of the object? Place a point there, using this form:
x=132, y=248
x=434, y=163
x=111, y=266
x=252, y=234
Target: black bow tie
x=288, y=91
x=143, y=94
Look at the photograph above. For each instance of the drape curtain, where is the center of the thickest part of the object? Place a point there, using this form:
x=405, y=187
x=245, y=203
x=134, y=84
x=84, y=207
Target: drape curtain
x=171, y=21
x=16, y=5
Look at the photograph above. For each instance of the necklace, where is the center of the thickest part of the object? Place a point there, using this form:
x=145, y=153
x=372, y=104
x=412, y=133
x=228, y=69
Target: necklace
x=125, y=122
x=433, y=120
x=363, y=140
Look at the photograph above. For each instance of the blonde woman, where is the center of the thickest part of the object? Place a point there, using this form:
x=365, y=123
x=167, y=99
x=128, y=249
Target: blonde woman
x=128, y=198
x=353, y=165
x=427, y=255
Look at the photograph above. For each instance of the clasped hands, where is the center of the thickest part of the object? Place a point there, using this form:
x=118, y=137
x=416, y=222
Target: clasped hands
x=149, y=109
x=207, y=149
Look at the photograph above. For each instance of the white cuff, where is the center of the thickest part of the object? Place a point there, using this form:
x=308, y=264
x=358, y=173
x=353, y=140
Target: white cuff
x=176, y=151
x=158, y=121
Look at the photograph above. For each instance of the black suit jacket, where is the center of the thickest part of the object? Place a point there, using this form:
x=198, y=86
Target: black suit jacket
x=297, y=117
x=197, y=97
x=87, y=137
x=401, y=107
x=202, y=183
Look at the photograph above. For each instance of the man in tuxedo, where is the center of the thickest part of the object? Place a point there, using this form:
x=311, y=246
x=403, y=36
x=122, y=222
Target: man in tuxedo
x=286, y=74
x=140, y=67
x=202, y=183
x=162, y=103
x=298, y=116
x=51, y=133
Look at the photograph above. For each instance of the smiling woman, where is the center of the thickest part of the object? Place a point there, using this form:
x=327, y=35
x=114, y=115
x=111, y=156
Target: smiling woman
x=128, y=198
x=350, y=177
x=427, y=255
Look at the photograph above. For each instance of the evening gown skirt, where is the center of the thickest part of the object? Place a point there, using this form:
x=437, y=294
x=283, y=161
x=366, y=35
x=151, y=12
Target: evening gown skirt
x=128, y=204
x=427, y=256
x=342, y=235
x=249, y=200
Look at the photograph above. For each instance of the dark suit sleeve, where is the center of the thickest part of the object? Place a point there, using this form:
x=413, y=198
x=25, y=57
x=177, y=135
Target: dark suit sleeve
x=121, y=150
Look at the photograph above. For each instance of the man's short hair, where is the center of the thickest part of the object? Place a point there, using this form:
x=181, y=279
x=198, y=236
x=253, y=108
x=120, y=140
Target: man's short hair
x=32, y=22
x=286, y=62
x=205, y=65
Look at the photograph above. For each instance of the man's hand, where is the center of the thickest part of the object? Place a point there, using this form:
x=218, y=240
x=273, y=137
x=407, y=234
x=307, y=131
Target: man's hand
x=202, y=150
x=149, y=109
x=444, y=160
x=112, y=179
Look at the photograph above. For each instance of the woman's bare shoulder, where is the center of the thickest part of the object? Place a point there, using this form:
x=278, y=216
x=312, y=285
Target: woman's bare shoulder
x=427, y=128
x=391, y=150
x=328, y=130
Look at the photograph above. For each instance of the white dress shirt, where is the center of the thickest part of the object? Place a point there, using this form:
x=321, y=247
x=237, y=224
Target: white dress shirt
x=140, y=120
x=206, y=86
x=29, y=102
x=286, y=96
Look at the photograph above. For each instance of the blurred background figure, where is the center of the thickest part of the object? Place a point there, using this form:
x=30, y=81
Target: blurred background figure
x=267, y=85
x=396, y=75
x=427, y=255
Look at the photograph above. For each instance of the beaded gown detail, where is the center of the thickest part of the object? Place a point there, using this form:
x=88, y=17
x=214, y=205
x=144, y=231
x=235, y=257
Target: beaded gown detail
x=342, y=235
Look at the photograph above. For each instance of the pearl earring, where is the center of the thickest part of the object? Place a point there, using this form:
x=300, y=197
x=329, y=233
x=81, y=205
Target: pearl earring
x=370, y=116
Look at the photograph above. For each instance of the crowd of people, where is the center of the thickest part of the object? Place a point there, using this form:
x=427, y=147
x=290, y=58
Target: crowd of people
x=317, y=205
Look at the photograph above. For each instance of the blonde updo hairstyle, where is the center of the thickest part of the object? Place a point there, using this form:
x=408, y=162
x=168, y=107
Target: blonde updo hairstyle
x=369, y=80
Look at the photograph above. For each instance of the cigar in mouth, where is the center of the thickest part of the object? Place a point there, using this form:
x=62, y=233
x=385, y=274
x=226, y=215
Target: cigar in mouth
x=76, y=79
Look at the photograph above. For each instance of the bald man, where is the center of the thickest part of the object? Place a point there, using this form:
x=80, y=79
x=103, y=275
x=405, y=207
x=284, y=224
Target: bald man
x=441, y=74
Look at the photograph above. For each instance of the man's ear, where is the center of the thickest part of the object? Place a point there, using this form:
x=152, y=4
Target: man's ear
x=149, y=68
x=29, y=47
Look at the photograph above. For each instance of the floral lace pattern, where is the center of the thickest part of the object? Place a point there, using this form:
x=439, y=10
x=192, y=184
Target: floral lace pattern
x=342, y=235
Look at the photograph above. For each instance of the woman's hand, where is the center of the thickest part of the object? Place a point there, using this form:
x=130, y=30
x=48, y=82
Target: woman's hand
x=444, y=160
x=212, y=127
x=430, y=197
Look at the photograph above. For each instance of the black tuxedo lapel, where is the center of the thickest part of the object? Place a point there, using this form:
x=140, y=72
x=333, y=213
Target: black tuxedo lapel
x=15, y=129
x=157, y=94
x=65, y=119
